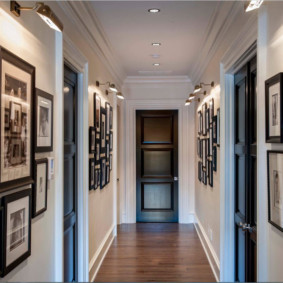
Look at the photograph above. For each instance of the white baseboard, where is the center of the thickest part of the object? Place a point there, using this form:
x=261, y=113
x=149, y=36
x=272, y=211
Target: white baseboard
x=209, y=250
x=100, y=254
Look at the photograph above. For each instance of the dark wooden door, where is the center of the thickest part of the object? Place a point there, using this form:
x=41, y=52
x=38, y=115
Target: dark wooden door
x=157, y=165
x=70, y=175
x=245, y=173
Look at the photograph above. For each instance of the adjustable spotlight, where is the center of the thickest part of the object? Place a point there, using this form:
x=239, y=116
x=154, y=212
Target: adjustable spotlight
x=252, y=5
x=192, y=96
x=188, y=102
x=111, y=86
x=120, y=95
x=42, y=10
x=199, y=87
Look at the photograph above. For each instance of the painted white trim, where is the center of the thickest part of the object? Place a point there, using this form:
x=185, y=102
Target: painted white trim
x=233, y=59
x=186, y=181
x=156, y=79
x=77, y=61
x=208, y=248
x=97, y=259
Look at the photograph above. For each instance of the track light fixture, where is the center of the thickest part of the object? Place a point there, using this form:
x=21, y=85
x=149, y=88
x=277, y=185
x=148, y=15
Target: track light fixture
x=252, y=5
x=111, y=86
x=199, y=86
x=42, y=10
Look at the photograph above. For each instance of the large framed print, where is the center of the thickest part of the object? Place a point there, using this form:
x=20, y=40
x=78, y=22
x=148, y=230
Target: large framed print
x=15, y=236
x=275, y=188
x=103, y=122
x=204, y=123
x=273, y=111
x=39, y=194
x=43, y=121
x=16, y=121
x=96, y=110
x=108, y=108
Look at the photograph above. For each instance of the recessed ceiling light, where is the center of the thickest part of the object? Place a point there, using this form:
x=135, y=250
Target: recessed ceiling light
x=155, y=44
x=253, y=4
x=154, y=10
x=156, y=64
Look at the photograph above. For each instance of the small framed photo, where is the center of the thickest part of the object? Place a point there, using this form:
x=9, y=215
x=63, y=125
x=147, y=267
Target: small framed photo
x=16, y=230
x=273, y=111
x=214, y=158
x=211, y=110
x=207, y=119
x=107, y=174
x=103, y=120
x=39, y=194
x=204, y=151
x=7, y=119
x=92, y=139
x=98, y=176
x=218, y=128
x=210, y=173
x=210, y=141
x=43, y=121
x=103, y=173
x=199, y=123
x=111, y=161
x=91, y=174
x=107, y=151
x=214, y=129
x=204, y=175
x=199, y=171
x=198, y=147
x=111, y=141
x=107, y=107
x=111, y=117
x=96, y=110
x=204, y=123
x=97, y=151
x=275, y=188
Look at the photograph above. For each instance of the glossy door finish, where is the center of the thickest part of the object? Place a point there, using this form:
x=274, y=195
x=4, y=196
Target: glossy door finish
x=157, y=165
x=70, y=175
x=246, y=172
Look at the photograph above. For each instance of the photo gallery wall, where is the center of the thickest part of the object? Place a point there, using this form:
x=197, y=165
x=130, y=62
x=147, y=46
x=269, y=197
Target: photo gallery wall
x=26, y=127
x=100, y=144
x=207, y=141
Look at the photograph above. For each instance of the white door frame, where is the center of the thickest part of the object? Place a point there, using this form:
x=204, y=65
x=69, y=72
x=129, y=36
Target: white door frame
x=78, y=62
x=185, y=155
x=240, y=52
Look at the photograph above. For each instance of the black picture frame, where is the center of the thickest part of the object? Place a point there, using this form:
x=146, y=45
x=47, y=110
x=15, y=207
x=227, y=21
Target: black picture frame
x=111, y=140
x=199, y=171
x=204, y=152
x=204, y=175
x=17, y=62
x=96, y=111
x=214, y=158
x=218, y=127
x=91, y=174
x=34, y=187
x=6, y=200
x=210, y=173
x=210, y=141
x=107, y=150
x=275, y=205
x=200, y=123
x=211, y=110
x=103, y=123
x=107, y=174
x=214, y=131
x=97, y=149
x=111, y=161
x=103, y=173
x=92, y=140
x=207, y=119
x=107, y=108
x=276, y=105
x=47, y=96
x=97, y=178
x=204, y=124
x=111, y=118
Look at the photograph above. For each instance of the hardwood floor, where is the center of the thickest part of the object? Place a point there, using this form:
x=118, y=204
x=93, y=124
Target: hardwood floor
x=151, y=252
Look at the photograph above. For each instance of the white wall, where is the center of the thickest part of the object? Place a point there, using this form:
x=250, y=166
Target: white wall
x=32, y=40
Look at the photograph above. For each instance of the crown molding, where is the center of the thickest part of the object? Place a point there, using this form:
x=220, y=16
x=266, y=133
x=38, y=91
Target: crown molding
x=220, y=22
x=83, y=16
x=156, y=79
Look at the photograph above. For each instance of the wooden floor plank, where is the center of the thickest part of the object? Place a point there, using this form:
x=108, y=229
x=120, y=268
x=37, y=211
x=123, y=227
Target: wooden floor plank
x=154, y=252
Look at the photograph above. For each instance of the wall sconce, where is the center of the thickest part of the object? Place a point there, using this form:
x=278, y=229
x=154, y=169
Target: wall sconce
x=120, y=95
x=111, y=86
x=252, y=5
x=42, y=10
x=188, y=102
x=199, y=87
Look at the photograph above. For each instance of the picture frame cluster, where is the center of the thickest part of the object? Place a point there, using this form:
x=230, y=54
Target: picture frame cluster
x=207, y=142
x=26, y=128
x=100, y=144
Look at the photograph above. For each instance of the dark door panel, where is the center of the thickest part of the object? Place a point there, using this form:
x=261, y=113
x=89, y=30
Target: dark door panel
x=246, y=172
x=70, y=175
x=157, y=166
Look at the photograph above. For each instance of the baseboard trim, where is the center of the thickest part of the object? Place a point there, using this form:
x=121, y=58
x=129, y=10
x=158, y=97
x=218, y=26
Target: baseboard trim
x=209, y=251
x=99, y=256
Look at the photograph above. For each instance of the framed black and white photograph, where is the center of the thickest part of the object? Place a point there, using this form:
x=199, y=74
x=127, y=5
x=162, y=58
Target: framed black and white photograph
x=273, y=111
x=92, y=139
x=210, y=141
x=96, y=110
x=107, y=107
x=103, y=119
x=199, y=123
x=102, y=173
x=107, y=151
x=91, y=173
x=204, y=151
x=211, y=110
x=16, y=230
x=198, y=147
x=199, y=171
x=275, y=188
x=204, y=123
x=214, y=129
x=210, y=173
x=43, y=121
x=111, y=117
x=39, y=194
x=111, y=161
x=107, y=174
x=97, y=177
x=97, y=151
x=16, y=121
x=111, y=141
x=207, y=119
x=218, y=128
x=204, y=175
x=214, y=158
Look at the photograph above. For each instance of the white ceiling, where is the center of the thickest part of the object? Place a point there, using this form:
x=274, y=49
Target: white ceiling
x=181, y=27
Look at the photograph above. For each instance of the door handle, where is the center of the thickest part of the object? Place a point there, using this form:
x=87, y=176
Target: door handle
x=245, y=227
x=176, y=178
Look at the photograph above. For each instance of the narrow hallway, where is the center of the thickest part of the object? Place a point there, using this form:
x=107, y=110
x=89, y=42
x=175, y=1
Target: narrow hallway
x=155, y=252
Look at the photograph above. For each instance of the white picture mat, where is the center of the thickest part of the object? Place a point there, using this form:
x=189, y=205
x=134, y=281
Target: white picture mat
x=274, y=130
x=19, y=171
x=276, y=165
x=41, y=186
x=44, y=140
x=12, y=207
